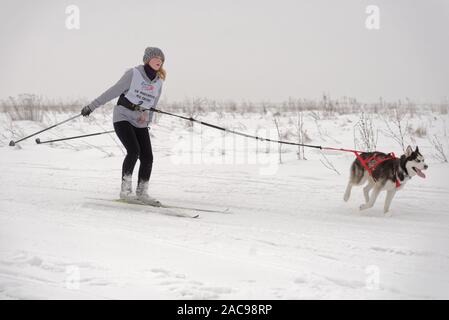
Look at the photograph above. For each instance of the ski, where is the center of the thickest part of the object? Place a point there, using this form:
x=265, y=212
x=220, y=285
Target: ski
x=167, y=206
x=196, y=209
x=140, y=203
x=161, y=210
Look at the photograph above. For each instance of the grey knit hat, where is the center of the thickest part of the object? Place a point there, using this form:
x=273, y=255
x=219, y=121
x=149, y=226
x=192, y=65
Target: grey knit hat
x=151, y=52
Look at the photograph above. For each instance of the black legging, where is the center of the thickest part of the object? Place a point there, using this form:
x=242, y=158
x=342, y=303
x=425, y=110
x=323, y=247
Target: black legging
x=138, y=145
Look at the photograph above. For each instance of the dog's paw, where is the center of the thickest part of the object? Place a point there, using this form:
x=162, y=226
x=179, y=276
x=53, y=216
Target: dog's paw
x=346, y=198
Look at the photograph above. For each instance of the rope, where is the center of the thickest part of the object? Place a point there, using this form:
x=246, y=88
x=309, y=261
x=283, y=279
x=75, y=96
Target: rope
x=235, y=132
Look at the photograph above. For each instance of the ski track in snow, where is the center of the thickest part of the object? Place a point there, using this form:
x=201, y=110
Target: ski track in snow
x=288, y=235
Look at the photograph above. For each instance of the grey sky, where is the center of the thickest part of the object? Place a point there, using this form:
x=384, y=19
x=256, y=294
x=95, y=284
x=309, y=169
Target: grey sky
x=241, y=50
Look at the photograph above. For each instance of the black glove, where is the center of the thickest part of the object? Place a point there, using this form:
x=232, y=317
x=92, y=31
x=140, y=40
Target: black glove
x=86, y=111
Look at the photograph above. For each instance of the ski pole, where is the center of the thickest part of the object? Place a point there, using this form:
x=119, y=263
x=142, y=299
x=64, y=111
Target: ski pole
x=38, y=141
x=13, y=143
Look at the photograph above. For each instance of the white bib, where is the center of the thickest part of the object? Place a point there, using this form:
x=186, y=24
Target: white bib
x=141, y=92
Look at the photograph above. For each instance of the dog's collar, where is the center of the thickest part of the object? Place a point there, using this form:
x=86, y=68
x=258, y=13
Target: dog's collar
x=406, y=175
x=401, y=173
x=403, y=167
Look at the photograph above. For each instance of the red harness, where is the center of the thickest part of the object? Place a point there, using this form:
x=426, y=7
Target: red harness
x=377, y=161
x=375, y=158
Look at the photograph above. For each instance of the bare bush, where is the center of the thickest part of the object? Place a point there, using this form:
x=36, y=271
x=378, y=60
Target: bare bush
x=193, y=108
x=328, y=107
x=419, y=132
x=328, y=164
x=411, y=107
x=24, y=107
x=365, y=134
x=316, y=117
x=443, y=108
x=397, y=130
x=439, y=151
x=301, y=135
x=276, y=122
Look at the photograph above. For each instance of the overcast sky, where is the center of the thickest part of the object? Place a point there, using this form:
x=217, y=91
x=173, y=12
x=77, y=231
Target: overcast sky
x=241, y=50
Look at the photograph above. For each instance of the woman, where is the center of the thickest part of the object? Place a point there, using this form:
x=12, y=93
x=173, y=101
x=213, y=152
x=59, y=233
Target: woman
x=138, y=89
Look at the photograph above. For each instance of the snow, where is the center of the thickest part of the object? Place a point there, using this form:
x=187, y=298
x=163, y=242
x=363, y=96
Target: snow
x=288, y=235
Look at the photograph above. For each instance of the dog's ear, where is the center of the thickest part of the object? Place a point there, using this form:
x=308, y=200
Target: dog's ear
x=417, y=150
x=409, y=151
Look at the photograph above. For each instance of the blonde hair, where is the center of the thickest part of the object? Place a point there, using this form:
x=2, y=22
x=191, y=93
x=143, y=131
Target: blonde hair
x=162, y=73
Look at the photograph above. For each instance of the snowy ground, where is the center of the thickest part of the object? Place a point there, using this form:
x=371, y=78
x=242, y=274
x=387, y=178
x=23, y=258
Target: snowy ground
x=288, y=235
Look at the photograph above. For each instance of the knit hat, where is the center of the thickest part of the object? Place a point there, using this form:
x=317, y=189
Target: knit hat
x=151, y=52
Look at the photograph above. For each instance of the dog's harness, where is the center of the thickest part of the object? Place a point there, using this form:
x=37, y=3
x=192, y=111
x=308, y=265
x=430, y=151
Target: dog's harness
x=374, y=160
x=377, y=161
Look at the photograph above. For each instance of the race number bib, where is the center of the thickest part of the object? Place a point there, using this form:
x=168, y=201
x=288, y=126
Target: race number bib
x=141, y=92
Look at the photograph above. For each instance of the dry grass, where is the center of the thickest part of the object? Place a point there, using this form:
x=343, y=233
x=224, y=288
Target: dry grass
x=31, y=107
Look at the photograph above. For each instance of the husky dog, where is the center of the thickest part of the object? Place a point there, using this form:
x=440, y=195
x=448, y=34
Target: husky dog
x=390, y=175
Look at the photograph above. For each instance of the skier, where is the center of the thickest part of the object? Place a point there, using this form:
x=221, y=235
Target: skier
x=138, y=90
